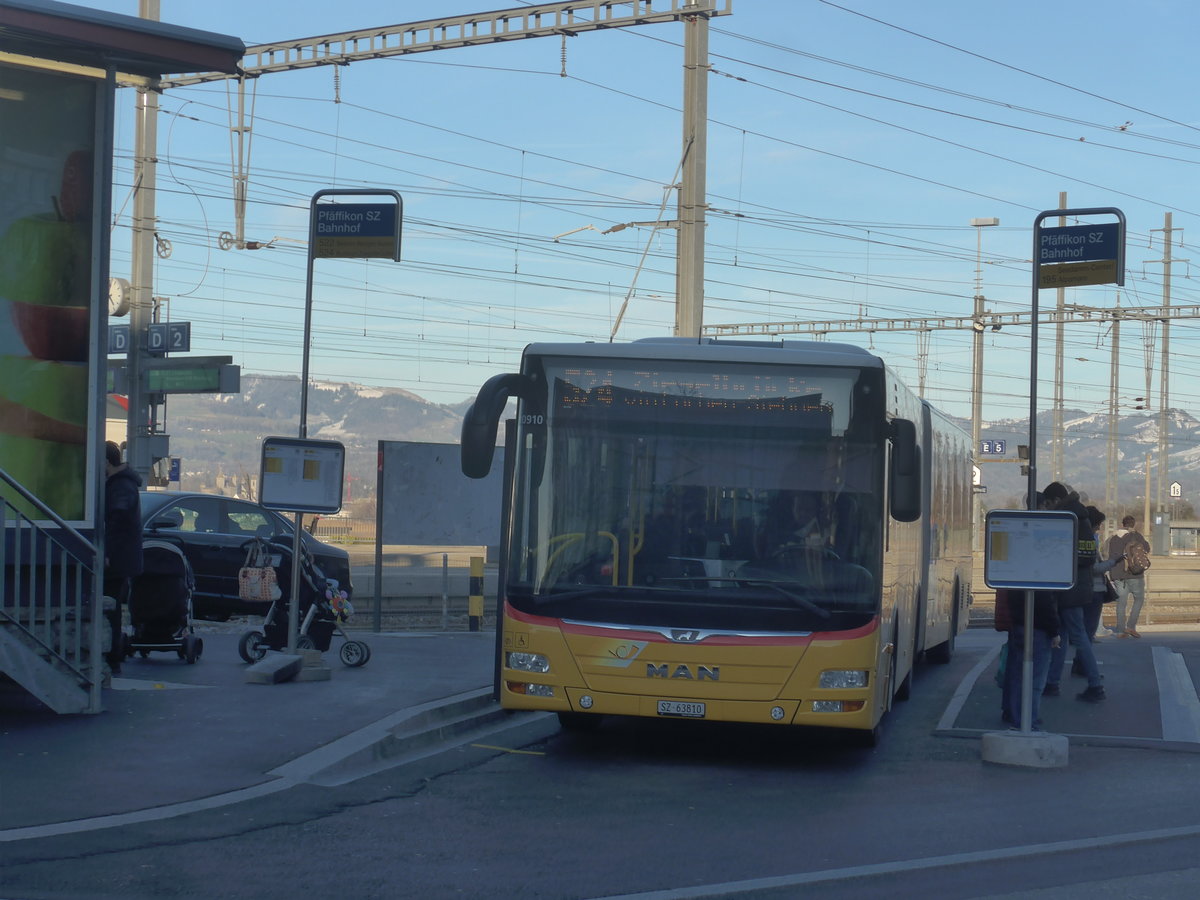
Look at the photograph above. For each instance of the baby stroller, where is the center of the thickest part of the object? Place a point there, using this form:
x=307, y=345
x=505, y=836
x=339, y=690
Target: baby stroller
x=160, y=605
x=323, y=607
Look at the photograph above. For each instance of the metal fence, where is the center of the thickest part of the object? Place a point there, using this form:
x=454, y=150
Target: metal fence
x=420, y=587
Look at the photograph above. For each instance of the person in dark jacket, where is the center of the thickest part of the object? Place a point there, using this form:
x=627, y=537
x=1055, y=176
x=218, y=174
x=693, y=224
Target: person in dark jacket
x=1073, y=601
x=1045, y=640
x=122, y=541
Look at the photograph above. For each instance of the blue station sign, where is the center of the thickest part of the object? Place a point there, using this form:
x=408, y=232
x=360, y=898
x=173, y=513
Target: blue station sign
x=1079, y=254
x=356, y=230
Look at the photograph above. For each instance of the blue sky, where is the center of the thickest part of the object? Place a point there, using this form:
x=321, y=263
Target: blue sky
x=850, y=145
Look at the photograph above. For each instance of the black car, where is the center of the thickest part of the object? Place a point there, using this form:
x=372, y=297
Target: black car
x=214, y=531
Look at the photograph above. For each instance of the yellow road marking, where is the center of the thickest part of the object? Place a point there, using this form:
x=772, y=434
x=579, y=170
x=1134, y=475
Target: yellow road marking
x=509, y=750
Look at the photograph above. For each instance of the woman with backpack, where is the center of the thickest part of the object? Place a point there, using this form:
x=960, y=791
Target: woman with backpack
x=1128, y=576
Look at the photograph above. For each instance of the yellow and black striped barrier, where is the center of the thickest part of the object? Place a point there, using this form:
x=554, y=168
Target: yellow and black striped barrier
x=475, y=596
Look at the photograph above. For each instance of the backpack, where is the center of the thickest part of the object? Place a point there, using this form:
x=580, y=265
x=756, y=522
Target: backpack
x=1137, y=560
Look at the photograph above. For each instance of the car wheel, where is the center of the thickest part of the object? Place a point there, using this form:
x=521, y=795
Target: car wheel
x=355, y=653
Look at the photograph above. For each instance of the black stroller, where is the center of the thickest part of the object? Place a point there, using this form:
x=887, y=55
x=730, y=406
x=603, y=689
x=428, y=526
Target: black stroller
x=160, y=605
x=322, y=608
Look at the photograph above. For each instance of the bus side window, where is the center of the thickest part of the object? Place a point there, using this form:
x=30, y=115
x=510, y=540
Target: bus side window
x=905, y=480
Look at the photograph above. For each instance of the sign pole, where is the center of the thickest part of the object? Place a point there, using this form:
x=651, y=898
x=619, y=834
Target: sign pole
x=297, y=538
x=365, y=233
x=1075, y=255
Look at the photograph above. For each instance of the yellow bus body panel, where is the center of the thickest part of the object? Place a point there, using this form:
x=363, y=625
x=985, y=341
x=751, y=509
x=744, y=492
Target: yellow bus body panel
x=738, y=678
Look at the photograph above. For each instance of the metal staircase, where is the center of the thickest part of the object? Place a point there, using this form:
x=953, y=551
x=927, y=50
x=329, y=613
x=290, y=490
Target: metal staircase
x=50, y=634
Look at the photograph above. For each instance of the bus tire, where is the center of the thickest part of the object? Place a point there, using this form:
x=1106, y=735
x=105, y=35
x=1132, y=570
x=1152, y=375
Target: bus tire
x=579, y=722
x=904, y=688
x=942, y=653
x=866, y=738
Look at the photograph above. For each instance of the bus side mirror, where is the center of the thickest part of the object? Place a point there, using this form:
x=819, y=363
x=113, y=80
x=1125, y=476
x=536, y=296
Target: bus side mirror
x=905, y=477
x=478, y=439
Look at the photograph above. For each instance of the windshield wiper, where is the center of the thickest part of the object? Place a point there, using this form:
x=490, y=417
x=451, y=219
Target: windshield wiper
x=577, y=594
x=773, y=585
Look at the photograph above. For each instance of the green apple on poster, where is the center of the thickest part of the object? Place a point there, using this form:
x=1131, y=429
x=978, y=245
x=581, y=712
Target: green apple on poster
x=47, y=133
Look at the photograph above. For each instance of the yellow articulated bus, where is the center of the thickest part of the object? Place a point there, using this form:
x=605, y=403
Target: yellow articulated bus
x=733, y=531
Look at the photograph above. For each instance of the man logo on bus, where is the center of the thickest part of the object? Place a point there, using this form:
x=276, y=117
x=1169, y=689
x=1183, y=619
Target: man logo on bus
x=685, y=637
x=702, y=673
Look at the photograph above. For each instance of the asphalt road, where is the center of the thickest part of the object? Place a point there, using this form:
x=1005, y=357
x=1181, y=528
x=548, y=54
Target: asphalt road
x=651, y=809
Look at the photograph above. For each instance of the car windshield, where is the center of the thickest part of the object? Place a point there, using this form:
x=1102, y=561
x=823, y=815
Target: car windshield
x=212, y=514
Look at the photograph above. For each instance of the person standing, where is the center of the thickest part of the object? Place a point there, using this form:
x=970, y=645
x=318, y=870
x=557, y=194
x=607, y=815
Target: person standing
x=1104, y=564
x=1093, y=611
x=122, y=542
x=1129, y=583
x=1073, y=601
x=1045, y=642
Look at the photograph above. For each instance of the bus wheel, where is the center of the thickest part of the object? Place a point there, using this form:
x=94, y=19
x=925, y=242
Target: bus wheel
x=902, y=690
x=943, y=652
x=867, y=739
x=578, y=722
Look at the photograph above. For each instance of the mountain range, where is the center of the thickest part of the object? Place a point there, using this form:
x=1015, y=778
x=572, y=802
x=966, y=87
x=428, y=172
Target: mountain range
x=219, y=438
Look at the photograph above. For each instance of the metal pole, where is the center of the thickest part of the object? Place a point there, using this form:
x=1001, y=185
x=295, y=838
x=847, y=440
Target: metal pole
x=1164, y=388
x=977, y=364
x=1112, y=492
x=1031, y=488
x=1056, y=443
x=294, y=599
x=689, y=277
x=1027, y=663
x=1146, y=499
x=294, y=603
x=445, y=591
x=378, y=617
x=142, y=266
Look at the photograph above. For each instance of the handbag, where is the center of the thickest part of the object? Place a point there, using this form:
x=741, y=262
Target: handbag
x=1002, y=617
x=257, y=582
x=1110, y=591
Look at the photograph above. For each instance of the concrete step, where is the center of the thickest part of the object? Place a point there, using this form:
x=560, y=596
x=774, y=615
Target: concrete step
x=408, y=736
x=48, y=679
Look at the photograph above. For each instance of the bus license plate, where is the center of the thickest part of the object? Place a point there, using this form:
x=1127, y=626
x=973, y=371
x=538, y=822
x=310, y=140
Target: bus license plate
x=687, y=710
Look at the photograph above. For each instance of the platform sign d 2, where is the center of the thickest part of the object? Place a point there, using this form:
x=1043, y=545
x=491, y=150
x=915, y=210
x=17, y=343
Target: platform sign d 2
x=357, y=230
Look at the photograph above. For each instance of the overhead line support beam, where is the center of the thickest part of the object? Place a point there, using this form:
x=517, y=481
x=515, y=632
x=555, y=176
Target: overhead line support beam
x=570, y=17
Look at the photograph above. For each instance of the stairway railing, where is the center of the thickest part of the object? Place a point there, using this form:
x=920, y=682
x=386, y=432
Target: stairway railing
x=49, y=579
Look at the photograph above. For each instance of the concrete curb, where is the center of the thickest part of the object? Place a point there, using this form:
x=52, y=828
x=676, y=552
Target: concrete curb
x=407, y=736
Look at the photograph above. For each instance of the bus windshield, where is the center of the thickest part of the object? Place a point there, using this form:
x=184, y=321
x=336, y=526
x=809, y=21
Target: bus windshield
x=746, y=499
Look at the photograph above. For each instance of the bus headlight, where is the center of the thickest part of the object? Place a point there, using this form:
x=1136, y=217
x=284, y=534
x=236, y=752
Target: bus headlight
x=844, y=678
x=528, y=662
x=531, y=690
x=837, y=706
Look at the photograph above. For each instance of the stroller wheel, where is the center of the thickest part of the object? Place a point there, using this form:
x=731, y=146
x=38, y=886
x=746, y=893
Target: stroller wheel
x=304, y=642
x=355, y=653
x=252, y=647
x=192, y=648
